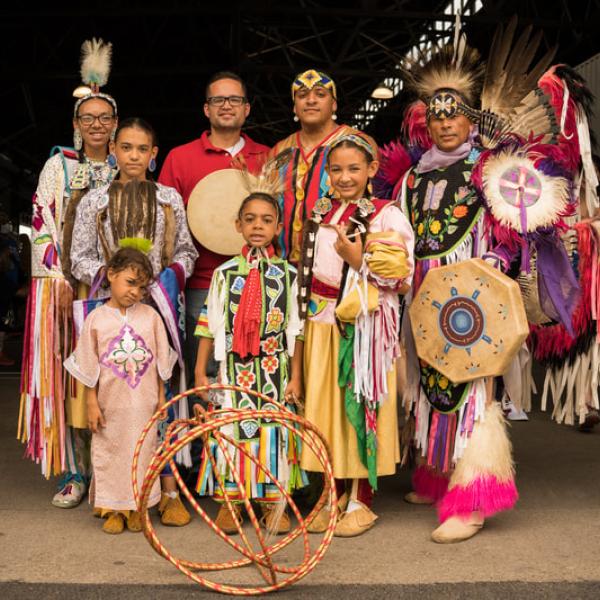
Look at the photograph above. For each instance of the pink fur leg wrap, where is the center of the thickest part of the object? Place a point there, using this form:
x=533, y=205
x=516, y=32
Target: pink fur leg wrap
x=428, y=483
x=486, y=495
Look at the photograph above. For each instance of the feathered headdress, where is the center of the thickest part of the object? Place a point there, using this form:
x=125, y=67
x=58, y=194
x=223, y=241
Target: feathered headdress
x=448, y=69
x=267, y=181
x=95, y=68
x=449, y=82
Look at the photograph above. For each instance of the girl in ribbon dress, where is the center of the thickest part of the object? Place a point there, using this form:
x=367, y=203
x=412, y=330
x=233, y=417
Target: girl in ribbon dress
x=357, y=256
x=251, y=320
x=134, y=207
x=122, y=357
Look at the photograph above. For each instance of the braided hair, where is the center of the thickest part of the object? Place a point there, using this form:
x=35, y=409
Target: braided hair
x=311, y=226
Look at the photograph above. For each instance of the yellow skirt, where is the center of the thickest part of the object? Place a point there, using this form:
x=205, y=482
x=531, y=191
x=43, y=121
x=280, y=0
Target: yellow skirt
x=325, y=408
x=75, y=404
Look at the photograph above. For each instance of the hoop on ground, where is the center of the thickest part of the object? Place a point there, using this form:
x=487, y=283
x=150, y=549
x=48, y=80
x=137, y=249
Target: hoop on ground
x=184, y=431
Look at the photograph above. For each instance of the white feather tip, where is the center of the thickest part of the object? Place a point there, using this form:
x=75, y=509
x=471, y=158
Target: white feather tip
x=95, y=62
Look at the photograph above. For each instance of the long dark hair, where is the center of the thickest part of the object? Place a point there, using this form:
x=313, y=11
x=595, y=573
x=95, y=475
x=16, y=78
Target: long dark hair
x=309, y=234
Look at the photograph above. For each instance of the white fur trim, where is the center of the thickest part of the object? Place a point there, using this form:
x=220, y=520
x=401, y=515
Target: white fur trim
x=489, y=452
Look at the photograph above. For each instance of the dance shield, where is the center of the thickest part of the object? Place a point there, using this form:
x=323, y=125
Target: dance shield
x=468, y=320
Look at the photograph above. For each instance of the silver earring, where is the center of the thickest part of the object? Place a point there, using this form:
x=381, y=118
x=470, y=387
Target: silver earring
x=334, y=117
x=113, y=133
x=152, y=165
x=77, y=140
x=296, y=119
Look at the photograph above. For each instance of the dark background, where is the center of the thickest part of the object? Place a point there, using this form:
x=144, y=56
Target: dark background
x=163, y=53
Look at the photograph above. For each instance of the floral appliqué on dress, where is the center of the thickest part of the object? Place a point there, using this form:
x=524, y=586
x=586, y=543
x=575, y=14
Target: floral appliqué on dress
x=128, y=356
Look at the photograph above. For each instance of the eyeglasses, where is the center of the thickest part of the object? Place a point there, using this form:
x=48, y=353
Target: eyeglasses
x=87, y=119
x=220, y=100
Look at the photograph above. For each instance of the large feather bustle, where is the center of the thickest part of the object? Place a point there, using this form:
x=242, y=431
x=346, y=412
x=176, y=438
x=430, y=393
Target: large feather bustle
x=510, y=101
x=545, y=212
x=442, y=71
x=95, y=62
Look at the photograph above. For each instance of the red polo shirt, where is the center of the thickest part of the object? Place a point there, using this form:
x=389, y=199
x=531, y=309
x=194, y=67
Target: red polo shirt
x=185, y=166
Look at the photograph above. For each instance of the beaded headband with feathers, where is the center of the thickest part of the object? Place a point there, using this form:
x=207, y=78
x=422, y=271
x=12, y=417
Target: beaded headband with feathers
x=448, y=69
x=96, y=58
x=502, y=97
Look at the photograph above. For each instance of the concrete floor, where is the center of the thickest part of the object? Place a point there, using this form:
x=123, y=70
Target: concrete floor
x=548, y=546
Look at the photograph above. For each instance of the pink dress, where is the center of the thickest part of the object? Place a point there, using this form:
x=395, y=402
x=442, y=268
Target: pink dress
x=123, y=355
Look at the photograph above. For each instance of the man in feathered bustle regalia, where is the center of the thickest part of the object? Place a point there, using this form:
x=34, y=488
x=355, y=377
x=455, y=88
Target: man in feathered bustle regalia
x=487, y=172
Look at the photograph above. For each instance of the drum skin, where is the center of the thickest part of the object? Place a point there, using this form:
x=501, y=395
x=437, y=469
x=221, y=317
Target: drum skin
x=212, y=209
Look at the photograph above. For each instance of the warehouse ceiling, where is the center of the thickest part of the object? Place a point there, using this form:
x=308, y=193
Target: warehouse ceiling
x=165, y=51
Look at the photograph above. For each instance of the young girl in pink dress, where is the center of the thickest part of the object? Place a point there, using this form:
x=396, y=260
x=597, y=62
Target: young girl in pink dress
x=122, y=357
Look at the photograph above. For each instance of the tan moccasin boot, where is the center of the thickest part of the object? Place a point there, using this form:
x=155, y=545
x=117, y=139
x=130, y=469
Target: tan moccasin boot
x=172, y=512
x=269, y=519
x=320, y=522
x=414, y=498
x=458, y=529
x=134, y=521
x=356, y=522
x=225, y=519
x=115, y=523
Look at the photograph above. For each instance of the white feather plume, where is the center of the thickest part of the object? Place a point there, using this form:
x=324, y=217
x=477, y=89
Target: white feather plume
x=95, y=62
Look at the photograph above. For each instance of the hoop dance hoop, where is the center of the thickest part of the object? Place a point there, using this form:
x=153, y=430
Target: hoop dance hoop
x=184, y=431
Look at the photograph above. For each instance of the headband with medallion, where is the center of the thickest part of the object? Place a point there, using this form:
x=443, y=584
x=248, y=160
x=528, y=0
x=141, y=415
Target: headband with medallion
x=311, y=78
x=450, y=82
x=95, y=69
x=447, y=103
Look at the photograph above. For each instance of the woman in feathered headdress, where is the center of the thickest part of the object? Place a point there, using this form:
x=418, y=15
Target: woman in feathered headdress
x=53, y=419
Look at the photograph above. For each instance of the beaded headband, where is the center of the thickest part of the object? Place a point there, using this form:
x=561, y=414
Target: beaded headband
x=359, y=140
x=309, y=79
x=445, y=104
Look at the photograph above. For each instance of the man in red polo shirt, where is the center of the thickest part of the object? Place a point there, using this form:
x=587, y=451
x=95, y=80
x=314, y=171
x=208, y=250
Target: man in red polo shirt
x=226, y=108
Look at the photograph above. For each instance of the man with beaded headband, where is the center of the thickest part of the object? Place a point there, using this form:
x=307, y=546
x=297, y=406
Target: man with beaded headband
x=448, y=185
x=303, y=154
x=52, y=420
